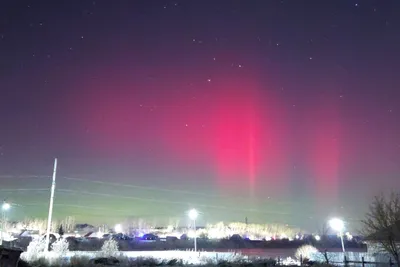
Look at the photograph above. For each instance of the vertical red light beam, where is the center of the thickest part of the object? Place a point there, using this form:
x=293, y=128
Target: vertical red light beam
x=252, y=160
x=237, y=127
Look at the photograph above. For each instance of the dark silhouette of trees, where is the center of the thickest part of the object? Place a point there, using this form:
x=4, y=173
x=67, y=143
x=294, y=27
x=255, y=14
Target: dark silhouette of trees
x=61, y=231
x=382, y=224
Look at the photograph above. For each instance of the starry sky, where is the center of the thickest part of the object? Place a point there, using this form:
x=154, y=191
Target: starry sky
x=279, y=111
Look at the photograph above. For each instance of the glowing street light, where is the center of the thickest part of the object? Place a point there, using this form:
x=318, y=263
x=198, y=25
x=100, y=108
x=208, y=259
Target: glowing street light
x=118, y=228
x=338, y=225
x=193, y=214
x=6, y=206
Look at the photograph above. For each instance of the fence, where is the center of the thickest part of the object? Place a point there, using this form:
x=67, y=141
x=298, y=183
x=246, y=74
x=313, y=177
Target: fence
x=363, y=263
x=375, y=260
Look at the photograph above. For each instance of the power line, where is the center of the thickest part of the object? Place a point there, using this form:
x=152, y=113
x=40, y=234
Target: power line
x=24, y=189
x=141, y=187
x=75, y=206
x=87, y=208
x=127, y=197
x=130, y=198
x=175, y=191
x=150, y=188
x=167, y=201
x=23, y=176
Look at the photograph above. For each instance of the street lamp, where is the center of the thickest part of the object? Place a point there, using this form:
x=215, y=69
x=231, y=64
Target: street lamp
x=118, y=228
x=338, y=225
x=193, y=216
x=6, y=206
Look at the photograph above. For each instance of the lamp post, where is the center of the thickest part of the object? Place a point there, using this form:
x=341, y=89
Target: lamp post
x=4, y=208
x=193, y=216
x=338, y=225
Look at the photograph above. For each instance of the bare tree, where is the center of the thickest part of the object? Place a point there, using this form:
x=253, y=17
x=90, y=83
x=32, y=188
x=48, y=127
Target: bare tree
x=69, y=224
x=324, y=229
x=382, y=224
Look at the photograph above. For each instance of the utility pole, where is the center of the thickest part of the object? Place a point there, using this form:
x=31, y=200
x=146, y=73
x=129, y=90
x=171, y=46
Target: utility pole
x=4, y=208
x=53, y=187
x=3, y=222
x=247, y=223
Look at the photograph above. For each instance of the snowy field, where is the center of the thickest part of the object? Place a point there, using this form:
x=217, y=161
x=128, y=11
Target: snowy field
x=203, y=257
x=187, y=257
x=200, y=258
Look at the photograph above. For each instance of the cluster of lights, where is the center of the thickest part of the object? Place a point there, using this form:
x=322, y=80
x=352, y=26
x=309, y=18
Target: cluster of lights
x=335, y=223
x=349, y=236
x=216, y=234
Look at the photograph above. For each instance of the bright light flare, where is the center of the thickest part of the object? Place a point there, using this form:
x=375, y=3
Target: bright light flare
x=216, y=234
x=118, y=228
x=6, y=206
x=99, y=234
x=191, y=234
x=317, y=237
x=336, y=224
x=349, y=236
x=193, y=214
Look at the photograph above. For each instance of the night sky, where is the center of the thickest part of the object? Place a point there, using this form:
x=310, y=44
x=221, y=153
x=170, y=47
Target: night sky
x=279, y=111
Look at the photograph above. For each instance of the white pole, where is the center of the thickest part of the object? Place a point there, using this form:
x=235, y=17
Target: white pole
x=53, y=187
x=3, y=223
x=195, y=235
x=341, y=239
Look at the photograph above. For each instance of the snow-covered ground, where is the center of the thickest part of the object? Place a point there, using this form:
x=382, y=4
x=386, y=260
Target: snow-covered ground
x=188, y=257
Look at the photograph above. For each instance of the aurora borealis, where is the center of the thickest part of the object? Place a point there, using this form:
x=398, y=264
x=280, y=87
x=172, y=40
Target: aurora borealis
x=273, y=110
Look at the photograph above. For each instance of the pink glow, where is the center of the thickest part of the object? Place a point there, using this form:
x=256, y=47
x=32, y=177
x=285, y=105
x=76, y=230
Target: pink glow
x=325, y=135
